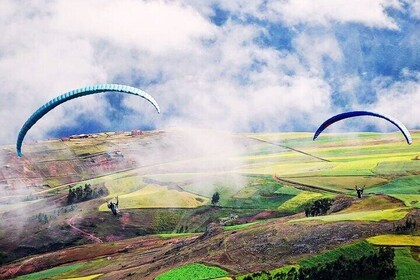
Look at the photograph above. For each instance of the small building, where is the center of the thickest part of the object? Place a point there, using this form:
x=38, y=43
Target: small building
x=136, y=132
x=79, y=136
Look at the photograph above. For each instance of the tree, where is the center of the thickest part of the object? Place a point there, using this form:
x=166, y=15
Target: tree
x=87, y=192
x=375, y=265
x=71, y=197
x=318, y=207
x=81, y=193
x=215, y=198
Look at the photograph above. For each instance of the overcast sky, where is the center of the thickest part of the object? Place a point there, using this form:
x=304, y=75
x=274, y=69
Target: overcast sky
x=232, y=65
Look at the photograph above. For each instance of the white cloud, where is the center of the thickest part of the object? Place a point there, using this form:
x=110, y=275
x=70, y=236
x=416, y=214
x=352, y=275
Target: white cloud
x=47, y=48
x=204, y=75
x=372, y=13
x=349, y=83
x=323, y=12
x=399, y=100
x=155, y=26
x=413, y=8
x=316, y=48
x=236, y=84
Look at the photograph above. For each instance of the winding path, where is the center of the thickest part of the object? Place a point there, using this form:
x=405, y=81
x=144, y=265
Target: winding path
x=290, y=148
x=303, y=186
x=88, y=235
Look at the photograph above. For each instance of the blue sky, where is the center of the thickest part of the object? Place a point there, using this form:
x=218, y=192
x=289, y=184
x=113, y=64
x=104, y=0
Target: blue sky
x=231, y=65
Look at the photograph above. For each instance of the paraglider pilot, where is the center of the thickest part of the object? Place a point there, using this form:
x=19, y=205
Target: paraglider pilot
x=359, y=191
x=113, y=206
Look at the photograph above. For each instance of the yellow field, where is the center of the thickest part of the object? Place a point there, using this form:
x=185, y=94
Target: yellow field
x=371, y=216
x=355, y=157
x=90, y=277
x=339, y=183
x=311, y=170
x=395, y=240
x=246, y=192
x=155, y=196
x=375, y=202
x=124, y=185
x=299, y=200
x=288, y=168
x=359, y=165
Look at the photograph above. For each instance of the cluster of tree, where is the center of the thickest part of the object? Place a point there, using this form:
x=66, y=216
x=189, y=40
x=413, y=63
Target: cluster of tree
x=215, y=198
x=30, y=197
x=409, y=225
x=80, y=193
x=3, y=257
x=42, y=218
x=378, y=265
x=66, y=209
x=182, y=229
x=318, y=207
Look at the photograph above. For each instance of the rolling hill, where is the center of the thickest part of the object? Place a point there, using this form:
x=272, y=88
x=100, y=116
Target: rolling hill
x=167, y=227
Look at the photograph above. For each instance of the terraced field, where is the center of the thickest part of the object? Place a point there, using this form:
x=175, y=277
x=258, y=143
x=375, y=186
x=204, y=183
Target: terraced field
x=165, y=188
x=155, y=196
x=371, y=216
x=296, y=203
x=408, y=267
x=395, y=240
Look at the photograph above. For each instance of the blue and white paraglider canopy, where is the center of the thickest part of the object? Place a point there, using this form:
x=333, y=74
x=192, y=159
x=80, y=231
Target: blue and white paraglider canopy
x=44, y=109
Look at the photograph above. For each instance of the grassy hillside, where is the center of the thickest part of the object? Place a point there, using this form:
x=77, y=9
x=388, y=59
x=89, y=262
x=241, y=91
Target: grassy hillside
x=408, y=267
x=155, y=196
x=165, y=182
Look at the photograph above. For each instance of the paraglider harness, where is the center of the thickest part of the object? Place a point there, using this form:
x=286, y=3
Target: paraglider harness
x=113, y=206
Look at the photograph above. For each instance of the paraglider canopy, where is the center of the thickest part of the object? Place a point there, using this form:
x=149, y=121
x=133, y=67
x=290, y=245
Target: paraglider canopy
x=44, y=109
x=352, y=114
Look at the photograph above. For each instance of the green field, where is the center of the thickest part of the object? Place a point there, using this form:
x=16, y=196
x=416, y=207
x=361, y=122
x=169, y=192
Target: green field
x=342, y=184
x=407, y=267
x=355, y=159
x=404, y=185
x=124, y=185
x=53, y=273
x=195, y=271
x=283, y=269
x=410, y=200
x=355, y=250
x=67, y=272
x=245, y=192
x=241, y=226
x=173, y=235
x=266, y=180
x=398, y=167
